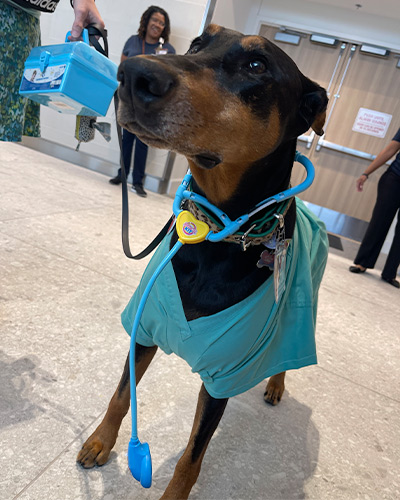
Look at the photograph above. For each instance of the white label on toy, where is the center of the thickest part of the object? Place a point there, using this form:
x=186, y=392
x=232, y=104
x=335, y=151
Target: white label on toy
x=50, y=79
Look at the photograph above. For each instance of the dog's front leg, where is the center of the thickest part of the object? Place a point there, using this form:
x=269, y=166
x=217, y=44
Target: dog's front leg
x=275, y=388
x=98, y=446
x=208, y=414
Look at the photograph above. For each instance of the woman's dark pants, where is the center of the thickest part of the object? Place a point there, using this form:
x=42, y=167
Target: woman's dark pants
x=139, y=159
x=386, y=206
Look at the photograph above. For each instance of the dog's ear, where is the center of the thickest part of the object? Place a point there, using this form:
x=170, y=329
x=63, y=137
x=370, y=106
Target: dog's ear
x=313, y=107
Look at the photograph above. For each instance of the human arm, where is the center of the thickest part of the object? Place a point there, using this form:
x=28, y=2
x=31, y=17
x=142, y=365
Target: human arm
x=85, y=13
x=390, y=150
x=132, y=47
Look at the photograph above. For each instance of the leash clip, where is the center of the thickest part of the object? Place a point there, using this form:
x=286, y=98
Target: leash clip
x=244, y=244
x=281, y=220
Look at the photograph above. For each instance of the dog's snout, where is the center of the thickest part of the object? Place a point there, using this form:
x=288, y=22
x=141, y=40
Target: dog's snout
x=145, y=81
x=120, y=77
x=153, y=86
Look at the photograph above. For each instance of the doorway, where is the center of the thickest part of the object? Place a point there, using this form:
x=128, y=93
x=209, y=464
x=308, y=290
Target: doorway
x=355, y=81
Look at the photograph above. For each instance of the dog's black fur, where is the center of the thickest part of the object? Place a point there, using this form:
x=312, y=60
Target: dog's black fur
x=234, y=106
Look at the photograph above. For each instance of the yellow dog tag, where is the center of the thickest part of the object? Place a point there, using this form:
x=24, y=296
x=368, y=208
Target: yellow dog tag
x=189, y=229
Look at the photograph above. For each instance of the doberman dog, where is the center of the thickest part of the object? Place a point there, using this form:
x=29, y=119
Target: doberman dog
x=234, y=106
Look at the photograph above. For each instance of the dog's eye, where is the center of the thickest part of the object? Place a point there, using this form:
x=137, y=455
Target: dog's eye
x=195, y=45
x=194, y=48
x=257, y=67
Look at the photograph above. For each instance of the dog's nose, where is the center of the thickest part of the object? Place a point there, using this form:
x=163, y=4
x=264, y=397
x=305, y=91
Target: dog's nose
x=145, y=81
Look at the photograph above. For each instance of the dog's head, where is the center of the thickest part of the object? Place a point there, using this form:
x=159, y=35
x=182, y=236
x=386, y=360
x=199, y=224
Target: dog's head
x=231, y=101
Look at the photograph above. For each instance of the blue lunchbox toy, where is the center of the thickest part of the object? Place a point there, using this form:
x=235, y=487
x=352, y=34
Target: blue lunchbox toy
x=71, y=77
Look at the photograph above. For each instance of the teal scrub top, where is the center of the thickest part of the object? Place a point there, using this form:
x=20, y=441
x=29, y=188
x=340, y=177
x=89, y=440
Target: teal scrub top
x=237, y=348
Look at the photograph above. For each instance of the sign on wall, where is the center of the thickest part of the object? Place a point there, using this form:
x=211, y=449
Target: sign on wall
x=372, y=122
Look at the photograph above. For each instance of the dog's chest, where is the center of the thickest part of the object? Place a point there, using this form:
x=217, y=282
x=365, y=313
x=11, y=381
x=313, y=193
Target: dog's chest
x=213, y=277
x=236, y=347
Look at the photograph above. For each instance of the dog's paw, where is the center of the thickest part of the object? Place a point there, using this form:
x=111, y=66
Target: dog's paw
x=95, y=451
x=274, y=390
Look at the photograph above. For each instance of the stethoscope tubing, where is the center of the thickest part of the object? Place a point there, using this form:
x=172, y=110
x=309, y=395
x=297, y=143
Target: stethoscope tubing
x=230, y=228
x=135, y=327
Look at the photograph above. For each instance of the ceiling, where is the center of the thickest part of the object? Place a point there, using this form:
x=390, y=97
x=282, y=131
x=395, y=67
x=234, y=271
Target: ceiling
x=382, y=8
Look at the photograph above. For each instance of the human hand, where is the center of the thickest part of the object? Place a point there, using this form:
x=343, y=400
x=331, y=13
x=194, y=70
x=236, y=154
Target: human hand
x=85, y=13
x=360, y=182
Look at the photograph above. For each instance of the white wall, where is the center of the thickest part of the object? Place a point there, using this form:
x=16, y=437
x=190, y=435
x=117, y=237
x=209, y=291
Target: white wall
x=347, y=23
x=122, y=19
x=236, y=14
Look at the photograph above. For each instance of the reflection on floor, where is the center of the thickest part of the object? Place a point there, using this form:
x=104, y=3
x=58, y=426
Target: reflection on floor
x=344, y=233
x=335, y=242
x=340, y=224
x=64, y=283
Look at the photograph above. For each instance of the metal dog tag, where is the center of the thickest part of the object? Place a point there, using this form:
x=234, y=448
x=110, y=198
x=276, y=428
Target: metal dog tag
x=280, y=268
x=280, y=259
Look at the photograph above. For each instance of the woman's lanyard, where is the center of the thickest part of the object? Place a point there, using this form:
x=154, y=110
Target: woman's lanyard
x=158, y=50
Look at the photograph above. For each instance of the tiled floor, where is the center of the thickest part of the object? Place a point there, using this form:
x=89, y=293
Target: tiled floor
x=64, y=281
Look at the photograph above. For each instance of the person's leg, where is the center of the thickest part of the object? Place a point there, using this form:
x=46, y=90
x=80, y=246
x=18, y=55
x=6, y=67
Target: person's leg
x=126, y=155
x=139, y=163
x=19, y=32
x=393, y=259
x=382, y=217
x=127, y=146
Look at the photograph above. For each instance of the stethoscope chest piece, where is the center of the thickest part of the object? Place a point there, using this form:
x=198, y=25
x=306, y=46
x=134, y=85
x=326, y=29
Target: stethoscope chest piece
x=139, y=461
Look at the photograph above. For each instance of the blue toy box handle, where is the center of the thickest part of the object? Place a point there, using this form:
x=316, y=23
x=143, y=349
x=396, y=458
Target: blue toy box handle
x=44, y=59
x=85, y=36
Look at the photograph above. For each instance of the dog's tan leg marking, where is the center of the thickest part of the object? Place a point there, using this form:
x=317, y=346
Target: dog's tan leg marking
x=208, y=414
x=98, y=446
x=275, y=387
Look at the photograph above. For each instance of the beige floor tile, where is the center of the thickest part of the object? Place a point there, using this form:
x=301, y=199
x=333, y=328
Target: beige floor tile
x=64, y=282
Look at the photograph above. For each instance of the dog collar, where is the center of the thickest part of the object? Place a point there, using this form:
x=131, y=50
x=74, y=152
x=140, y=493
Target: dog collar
x=261, y=230
x=232, y=227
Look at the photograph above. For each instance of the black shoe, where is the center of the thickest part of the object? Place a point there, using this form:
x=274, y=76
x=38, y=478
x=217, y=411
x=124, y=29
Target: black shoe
x=356, y=269
x=393, y=282
x=138, y=189
x=115, y=180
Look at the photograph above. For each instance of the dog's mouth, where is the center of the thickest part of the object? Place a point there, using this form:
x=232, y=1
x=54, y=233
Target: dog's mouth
x=207, y=160
x=153, y=141
x=144, y=135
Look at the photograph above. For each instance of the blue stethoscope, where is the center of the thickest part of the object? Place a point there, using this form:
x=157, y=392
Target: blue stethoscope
x=191, y=231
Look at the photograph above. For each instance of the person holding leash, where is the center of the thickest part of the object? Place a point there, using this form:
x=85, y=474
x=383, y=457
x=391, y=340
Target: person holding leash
x=19, y=33
x=386, y=206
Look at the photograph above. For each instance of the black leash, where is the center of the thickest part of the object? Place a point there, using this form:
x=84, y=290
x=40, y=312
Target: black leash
x=125, y=210
x=95, y=32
